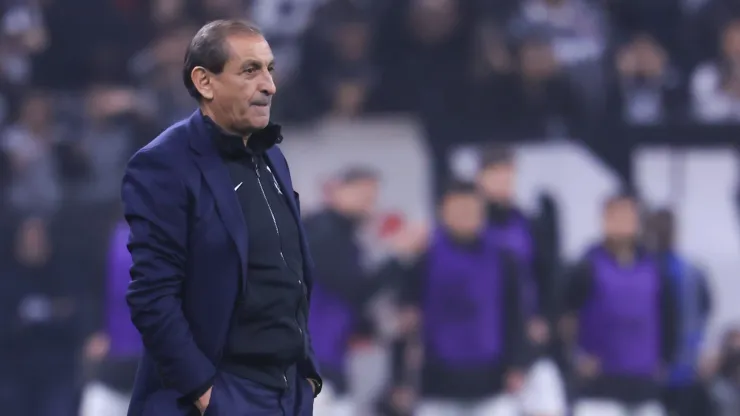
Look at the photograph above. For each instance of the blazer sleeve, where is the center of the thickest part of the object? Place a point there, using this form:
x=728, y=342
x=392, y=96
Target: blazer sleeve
x=155, y=206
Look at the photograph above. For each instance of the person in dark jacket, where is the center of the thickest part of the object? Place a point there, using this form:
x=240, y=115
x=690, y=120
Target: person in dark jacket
x=119, y=344
x=342, y=284
x=686, y=394
x=533, y=242
x=43, y=328
x=621, y=320
x=725, y=389
x=513, y=230
x=466, y=291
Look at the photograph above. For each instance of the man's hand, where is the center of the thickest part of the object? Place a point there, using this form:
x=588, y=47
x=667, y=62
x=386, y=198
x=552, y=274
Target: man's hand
x=410, y=241
x=409, y=319
x=514, y=381
x=204, y=400
x=538, y=331
x=402, y=399
x=587, y=366
x=96, y=347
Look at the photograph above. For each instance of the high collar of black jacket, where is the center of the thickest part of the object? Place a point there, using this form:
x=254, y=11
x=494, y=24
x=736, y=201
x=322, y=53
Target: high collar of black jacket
x=232, y=146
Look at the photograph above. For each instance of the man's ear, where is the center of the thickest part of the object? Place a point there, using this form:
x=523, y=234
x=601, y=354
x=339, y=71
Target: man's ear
x=203, y=81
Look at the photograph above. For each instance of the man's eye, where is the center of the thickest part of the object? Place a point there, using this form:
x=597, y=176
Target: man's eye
x=249, y=71
x=271, y=69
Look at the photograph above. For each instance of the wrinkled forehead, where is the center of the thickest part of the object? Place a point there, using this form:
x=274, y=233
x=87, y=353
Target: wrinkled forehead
x=246, y=48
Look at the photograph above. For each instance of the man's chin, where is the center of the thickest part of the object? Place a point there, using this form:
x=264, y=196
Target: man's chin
x=260, y=122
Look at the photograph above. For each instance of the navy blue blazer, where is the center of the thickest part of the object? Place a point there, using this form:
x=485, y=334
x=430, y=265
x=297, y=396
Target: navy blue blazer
x=188, y=241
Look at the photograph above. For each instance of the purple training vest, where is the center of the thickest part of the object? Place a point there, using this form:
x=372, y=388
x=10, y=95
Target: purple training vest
x=620, y=323
x=515, y=236
x=330, y=324
x=462, y=303
x=125, y=341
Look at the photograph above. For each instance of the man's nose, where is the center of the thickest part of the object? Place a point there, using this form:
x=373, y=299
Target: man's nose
x=268, y=85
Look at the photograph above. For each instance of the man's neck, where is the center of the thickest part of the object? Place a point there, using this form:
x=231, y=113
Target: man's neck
x=208, y=112
x=623, y=251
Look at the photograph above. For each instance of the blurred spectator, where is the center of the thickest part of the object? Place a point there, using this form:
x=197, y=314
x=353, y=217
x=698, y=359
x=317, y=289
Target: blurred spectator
x=707, y=21
x=509, y=226
x=576, y=31
x=45, y=323
x=116, y=350
x=647, y=89
x=715, y=85
x=30, y=145
x=24, y=34
x=350, y=84
x=284, y=23
x=665, y=21
x=4, y=177
x=545, y=102
x=466, y=290
x=105, y=143
x=622, y=320
x=158, y=68
x=437, y=58
x=726, y=390
x=493, y=81
x=168, y=14
x=513, y=231
x=342, y=287
x=223, y=9
x=339, y=71
x=686, y=395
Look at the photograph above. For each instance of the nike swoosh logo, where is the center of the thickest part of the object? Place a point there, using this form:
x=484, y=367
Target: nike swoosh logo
x=237, y=186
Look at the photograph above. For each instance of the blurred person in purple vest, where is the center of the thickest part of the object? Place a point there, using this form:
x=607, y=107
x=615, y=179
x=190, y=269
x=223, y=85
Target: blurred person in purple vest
x=621, y=320
x=543, y=393
x=344, y=285
x=467, y=293
x=118, y=347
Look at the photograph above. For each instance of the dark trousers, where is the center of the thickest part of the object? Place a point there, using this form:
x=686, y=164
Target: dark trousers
x=689, y=400
x=36, y=396
x=235, y=396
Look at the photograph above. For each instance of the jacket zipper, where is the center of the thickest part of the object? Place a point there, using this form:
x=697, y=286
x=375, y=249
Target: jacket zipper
x=277, y=230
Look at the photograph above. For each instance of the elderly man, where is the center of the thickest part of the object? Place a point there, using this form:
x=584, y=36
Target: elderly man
x=221, y=269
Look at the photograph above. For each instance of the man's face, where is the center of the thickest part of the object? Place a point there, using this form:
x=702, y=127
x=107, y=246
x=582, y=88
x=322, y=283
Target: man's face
x=36, y=111
x=731, y=42
x=242, y=93
x=357, y=198
x=463, y=214
x=32, y=245
x=621, y=222
x=496, y=182
x=537, y=60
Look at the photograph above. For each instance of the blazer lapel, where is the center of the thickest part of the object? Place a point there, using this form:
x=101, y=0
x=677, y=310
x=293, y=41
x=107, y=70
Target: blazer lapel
x=227, y=203
x=219, y=181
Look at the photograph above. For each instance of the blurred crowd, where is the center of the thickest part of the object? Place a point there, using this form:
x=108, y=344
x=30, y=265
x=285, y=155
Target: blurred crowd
x=85, y=83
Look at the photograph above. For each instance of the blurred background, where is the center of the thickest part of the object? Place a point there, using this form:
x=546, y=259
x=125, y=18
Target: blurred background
x=551, y=106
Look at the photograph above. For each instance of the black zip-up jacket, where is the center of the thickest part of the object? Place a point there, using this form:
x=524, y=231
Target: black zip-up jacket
x=268, y=331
